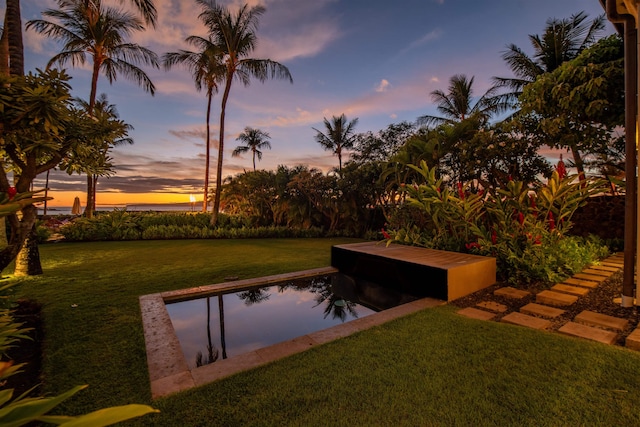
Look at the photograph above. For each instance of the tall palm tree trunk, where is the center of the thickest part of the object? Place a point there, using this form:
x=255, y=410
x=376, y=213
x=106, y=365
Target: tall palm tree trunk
x=46, y=192
x=4, y=49
x=14, y=29
x=216, y=202
x=88, y=210
x=91, y=195
x=208, y=152
x=94, y=189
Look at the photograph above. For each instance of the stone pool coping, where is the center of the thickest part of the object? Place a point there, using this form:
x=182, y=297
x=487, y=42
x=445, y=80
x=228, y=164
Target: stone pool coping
x=168, y=369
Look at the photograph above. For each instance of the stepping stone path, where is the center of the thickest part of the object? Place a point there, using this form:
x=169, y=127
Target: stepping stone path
x=493, y=306
x=571, y=290
x=541, y=310
x=581, y=282
x=583, y=331
x=549, y=305
x=557, y=299
x=475, y=313
x=526, y=320
x=512, y=292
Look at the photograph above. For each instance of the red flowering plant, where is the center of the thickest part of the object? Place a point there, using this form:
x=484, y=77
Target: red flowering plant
x=521, y=226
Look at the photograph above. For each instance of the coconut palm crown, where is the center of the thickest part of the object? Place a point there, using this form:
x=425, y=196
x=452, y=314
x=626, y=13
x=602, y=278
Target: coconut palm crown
x=254, y=140
x=457, y=104
x=561, y=41
x=208, y=70
x=235, y=33
x=338, y=136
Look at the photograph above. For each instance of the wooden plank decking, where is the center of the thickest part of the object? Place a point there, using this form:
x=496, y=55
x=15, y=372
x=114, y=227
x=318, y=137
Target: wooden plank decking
x=418, y=271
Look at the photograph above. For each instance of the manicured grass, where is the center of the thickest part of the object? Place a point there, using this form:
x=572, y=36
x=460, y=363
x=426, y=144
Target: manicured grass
x=433, y=367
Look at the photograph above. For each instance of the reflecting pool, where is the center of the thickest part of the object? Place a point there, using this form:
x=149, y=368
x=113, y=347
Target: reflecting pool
x=223, y=325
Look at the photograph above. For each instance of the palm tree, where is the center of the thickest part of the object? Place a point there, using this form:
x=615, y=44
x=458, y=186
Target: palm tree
x=339, y=136
x=146, y=8
x=101, y=33
x=11, y=45
x=457, y=103
x=235, y=34
x=562, y=40
x=254, y=140
x=207, y=69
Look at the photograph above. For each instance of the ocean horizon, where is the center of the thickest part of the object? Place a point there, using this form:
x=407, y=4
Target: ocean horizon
x=130, y=207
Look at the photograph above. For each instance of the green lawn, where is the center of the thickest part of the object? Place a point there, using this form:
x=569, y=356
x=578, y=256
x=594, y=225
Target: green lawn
x=434, y=367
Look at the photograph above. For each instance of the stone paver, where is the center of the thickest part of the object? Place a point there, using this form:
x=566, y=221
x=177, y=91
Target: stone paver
x=569, y=289
x=605, y=268
x=510, y=292
x=475, y=313
x=580, y=282
x=493, y=306
x=617, y=264
x=521, y=319
x=588, y=332
x=591, y=277
x=597, y=272
x=592, y=318
x=541, y=310
x=555, y=298
x=633, y=340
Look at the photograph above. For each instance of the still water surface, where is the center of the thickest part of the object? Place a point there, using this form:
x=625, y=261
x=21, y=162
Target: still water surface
x=221, y=326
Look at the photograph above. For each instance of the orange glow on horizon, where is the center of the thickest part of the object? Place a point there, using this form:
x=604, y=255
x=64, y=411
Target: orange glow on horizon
x=65, y=198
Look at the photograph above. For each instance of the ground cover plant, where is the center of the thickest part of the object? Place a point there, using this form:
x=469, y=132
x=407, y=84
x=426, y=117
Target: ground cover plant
x=434, y=367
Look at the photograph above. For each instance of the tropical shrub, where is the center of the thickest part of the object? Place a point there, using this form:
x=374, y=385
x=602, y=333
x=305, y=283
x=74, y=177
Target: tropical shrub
x=523, y=228
x=122, y=225
x=42, y=232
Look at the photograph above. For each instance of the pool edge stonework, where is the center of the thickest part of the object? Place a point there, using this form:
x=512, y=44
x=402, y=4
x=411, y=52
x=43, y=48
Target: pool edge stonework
x=168, y=369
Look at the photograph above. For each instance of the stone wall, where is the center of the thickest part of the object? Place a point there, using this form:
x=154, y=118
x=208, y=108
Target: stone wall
x=602, y=216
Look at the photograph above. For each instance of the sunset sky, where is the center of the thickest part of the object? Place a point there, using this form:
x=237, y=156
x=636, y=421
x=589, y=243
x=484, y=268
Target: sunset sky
x=375, y=60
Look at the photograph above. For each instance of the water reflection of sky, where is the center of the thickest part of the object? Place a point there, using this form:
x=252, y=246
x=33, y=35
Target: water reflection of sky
x=285, y=314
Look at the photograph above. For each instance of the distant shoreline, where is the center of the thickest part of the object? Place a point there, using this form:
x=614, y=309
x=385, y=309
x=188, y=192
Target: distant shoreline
x=137, y=207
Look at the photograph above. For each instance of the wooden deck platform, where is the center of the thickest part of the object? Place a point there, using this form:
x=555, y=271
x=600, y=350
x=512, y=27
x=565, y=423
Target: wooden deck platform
x=418, y=271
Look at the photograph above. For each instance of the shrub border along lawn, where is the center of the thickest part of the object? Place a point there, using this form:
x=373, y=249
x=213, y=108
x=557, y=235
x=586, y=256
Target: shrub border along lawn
x=432, y=367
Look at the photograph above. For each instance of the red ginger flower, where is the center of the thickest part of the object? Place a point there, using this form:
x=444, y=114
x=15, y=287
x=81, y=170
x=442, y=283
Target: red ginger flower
x=385, y=234
x=562, y=170
x=12, y=192
x=472, y=245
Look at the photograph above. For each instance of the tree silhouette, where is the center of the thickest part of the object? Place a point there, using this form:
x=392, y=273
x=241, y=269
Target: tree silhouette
x=254, y=140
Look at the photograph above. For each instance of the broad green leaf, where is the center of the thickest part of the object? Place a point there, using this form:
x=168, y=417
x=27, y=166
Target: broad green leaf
x=108, y=416
x=20, y=412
